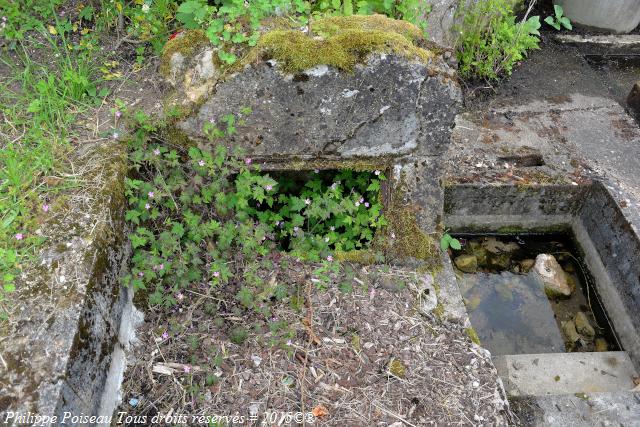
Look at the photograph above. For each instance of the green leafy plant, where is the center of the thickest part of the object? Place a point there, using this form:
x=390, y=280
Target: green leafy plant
x=149, y=21
x=490, y=40
x=201, y=216
x=17, y=18
x=559, y=20
x=446, y=242
x=413, y=11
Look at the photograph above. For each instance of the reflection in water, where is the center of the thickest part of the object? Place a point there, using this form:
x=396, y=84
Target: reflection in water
x=512, y=294
x=511, y=313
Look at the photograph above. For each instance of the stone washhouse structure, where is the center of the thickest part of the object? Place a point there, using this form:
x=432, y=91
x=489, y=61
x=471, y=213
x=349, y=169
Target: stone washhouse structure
x=368, y=93
x=362, y=93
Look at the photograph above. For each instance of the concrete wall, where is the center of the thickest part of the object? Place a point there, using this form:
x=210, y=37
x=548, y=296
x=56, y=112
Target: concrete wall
x=612, y=252
x=606, y=233
x=67, y=309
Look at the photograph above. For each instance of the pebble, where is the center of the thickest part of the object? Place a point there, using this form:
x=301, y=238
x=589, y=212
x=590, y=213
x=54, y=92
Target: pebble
x=582, y=325
x=601, y=344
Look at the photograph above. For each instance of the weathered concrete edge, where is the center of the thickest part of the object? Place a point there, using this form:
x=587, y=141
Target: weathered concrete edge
x=84, y=320
x=509, y=208
x=612, y=252
x=565, y=373
x=616, y=41
x=618, y=408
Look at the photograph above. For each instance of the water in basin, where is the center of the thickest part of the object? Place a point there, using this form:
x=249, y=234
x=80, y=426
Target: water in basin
x=512, y=310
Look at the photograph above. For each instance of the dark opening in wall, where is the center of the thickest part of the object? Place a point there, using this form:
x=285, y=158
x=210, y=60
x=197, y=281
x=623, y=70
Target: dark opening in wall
x=524, y=160
x=335, y=209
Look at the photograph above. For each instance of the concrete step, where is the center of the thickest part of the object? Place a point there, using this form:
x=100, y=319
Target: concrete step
x=565, y=373
x=620, y=408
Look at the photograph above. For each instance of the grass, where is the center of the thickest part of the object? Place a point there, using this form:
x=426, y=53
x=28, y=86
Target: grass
x=39, y=101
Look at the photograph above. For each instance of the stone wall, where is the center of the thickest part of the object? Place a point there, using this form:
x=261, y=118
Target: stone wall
x=66, y=312
x=392, y=108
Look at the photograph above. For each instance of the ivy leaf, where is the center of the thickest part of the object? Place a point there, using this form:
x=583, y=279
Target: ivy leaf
x=549, y=20
x=558, y=10
x=566, y=23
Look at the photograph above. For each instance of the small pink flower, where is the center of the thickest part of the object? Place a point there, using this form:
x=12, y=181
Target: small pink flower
x=118, y=114
x=216, y=274
x=147, y=206
x=307, y=202
x=156, y=152
x=268, y=187
x=248, y=161
x=179, y=296
x=187, y=369
x=316, y=171
x=150, y=194
x=165, y=335
x=201, y=162
x=161, y=266
x=45, y=208
x=116, y=135
x=329, y=258
x=19, y=236
x=295, y=228
x=141, y=274
x=362, y=200
x=366, y=204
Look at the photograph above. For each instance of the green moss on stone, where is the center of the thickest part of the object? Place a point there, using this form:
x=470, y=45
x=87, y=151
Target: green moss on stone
x=439, y=311
x=295, y=51
x=175, y=136
x=185, y=44
x=358, y=165
x=409, y=239
x=363, y=256
x=473, y=335
x=334, y=25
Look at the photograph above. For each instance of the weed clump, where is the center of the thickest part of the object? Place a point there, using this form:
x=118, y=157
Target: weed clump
x=490, y=41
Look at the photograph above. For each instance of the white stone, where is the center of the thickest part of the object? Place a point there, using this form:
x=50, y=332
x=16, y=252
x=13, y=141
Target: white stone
x=552, y=276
